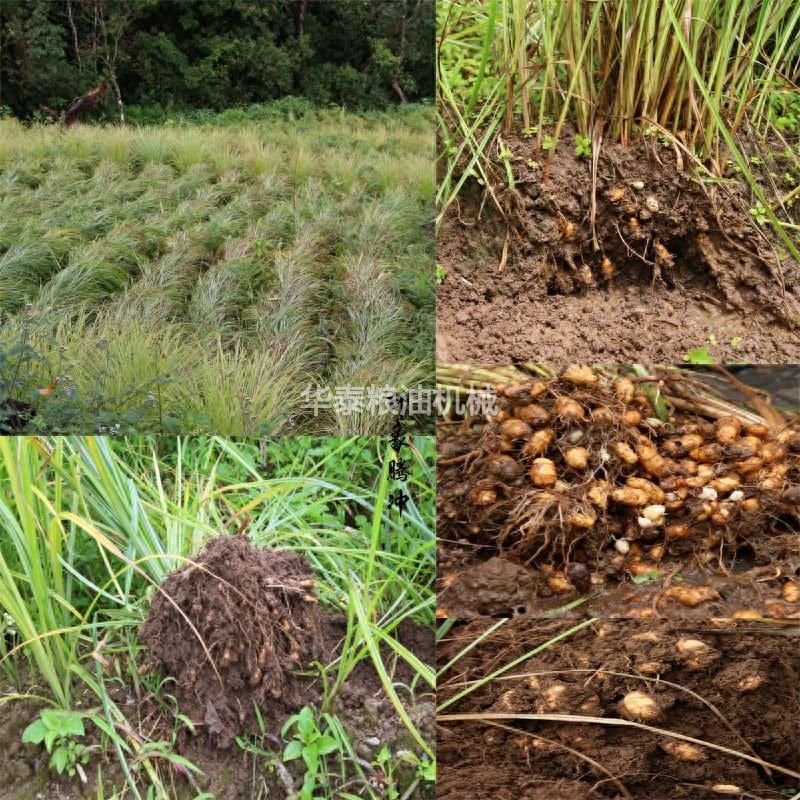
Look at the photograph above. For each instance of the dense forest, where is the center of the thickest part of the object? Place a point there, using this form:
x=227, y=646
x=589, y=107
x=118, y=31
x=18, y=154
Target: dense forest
x=176, y=55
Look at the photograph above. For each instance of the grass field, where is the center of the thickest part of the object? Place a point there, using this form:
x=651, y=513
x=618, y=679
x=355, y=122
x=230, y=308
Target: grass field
x=200, y=276
x=93, y=525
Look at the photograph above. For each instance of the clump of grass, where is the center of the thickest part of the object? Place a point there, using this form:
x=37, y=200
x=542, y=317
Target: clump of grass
x=700, y=73
x=94, y=524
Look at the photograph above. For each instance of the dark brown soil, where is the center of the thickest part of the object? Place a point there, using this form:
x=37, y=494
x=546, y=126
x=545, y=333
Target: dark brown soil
x=243, y=586
x=256, y=613
x=688, y=265
x=508, y=545
x=361, y=706
x=470, y=587
x=233, y=629
x=751, y=678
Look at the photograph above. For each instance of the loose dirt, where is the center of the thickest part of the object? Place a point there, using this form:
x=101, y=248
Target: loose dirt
x=675, y=264
x=233, y=629
x=574, y=491
x=752, y=680
x=363, y=708
x=257, y=616
x=240, y=600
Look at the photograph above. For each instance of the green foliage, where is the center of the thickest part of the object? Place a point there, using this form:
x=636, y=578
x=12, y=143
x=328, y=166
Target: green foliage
x=699, y=355
x=759, y=213
x=91, y=525
x=424, y=768
x=59, y=729
x=312, y=745
x=198, y=54
x=583, y=146
x=784, y=108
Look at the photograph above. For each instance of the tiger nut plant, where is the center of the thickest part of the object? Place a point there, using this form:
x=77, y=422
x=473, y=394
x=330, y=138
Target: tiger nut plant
x=586, y=474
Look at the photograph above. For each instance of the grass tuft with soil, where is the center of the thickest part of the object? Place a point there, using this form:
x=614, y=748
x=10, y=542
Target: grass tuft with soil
x=618, y=181
x=217, y=619
x=231, y=629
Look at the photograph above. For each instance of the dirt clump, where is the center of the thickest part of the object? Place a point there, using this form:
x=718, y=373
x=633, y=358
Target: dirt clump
x=233, y=629
x=733, y=687
x=496, y=587
x=563, y=272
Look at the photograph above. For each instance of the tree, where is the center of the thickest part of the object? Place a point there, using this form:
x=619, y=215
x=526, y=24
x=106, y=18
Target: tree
x=187, y=54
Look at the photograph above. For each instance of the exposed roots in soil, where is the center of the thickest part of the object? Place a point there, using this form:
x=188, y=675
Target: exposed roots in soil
x=259, y=623
x=655, y=235
x=733, y=687
x=650, y=226
x=577, y=472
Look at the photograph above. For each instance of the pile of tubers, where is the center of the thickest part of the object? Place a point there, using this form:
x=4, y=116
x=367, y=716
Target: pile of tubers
x=582, y=458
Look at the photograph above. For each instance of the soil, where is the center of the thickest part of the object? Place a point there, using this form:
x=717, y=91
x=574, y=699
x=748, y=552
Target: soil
x=24, y=773
x=721, y=538
x=233, y=629
x=470, y=587
x=685, y=265
x=241, y=599
x=361, y=706
x=751, y=678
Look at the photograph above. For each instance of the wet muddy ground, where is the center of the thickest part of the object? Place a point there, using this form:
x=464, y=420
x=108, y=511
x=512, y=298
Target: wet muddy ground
x=670, y=264
x=734, y=687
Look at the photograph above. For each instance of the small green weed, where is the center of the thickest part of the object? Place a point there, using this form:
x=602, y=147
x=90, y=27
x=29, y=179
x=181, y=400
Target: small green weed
x=59, y=730
x=583, y=146
x=385, y=763
x=699, y=355
x=759, y=213
x=312, y=745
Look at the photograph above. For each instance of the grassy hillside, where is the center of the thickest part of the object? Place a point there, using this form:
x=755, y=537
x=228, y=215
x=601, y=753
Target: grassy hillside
x=200, y=277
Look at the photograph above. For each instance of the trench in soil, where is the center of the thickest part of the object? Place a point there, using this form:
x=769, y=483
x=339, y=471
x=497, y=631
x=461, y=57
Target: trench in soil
x=751, y=678
x=694, y=269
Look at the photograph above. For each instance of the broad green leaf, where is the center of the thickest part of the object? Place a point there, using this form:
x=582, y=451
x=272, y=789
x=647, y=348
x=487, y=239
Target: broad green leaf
x=293, y=750
x=59, y=759
x=326, y=744
x=34, y=733
x=305, y=723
